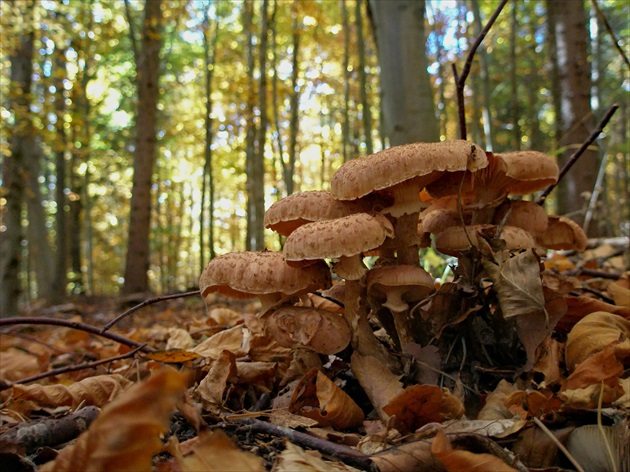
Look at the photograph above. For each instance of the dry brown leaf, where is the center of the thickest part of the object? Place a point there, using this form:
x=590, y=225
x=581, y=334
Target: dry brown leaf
x=620, y=291
x=490, y=428
x=125, y=436
x=418, y=405
x=549, y=361
x=317, y=397
x=172, y=357
x=536, y=449
x=495, y=408
x=464, y=461
x=16, y=364
x=98, y=391
x=579, y=307
x=215, y=452
x=234, y=340
x=593, y=333
x=179, y=338
x=415, y=456
x=603, y=366
x=379, y=384
x=294, y=458
x=213, y=386
x=528, y=403
x=222, y=316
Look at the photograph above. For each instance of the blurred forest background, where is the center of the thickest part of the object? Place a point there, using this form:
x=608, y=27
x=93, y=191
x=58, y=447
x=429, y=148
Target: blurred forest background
x=140, y=138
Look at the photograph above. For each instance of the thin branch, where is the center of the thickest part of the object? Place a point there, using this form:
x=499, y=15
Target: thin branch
x=604, y=21
x=70, y=368
x=560, y=446
x=150, y=301
x=132, y=32
x=575, y=156
x=461, y=79
x=33, y=320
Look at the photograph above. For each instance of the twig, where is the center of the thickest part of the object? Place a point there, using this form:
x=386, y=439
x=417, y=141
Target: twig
x=575, y=156
x=555, y=440
x=33, y=320
x=461, y=79
x=145, y=303
x=69, y=368
x=603, y=19
x=343, y=453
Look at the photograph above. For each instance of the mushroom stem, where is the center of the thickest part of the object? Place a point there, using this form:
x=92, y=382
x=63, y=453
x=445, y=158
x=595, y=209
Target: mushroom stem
x=403, y=328
x=363, y=339
x=406, y=239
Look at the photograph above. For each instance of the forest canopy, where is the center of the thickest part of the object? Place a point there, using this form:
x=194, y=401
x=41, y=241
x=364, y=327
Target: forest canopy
x=257, y=100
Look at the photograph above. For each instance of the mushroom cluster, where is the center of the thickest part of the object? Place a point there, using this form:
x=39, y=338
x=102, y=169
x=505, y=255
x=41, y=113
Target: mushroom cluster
x=375, y=208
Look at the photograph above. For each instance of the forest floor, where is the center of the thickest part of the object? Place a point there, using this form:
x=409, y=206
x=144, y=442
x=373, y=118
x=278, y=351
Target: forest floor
x=242, y=402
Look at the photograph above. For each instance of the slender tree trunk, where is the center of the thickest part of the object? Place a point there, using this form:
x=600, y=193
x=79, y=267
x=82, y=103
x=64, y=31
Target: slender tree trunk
x=207, y=182
x=407, y=99
x=294, y=101
x=485, y=81
x=366, y=112
x=250, y=138
x=14, y=168
x=147, y=81
x=575, y=100
x=60, y=279
x=515, y=111
x=345, y=130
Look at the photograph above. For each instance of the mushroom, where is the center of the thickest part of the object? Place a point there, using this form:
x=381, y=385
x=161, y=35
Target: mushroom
x=512, y=173
x=262, y=274
x=291, y=212
x=394, y=288
x=402, y=172
x=345, y=238
x=527, y=215
x=454, y=241
x=442, y=213
x=563, y=233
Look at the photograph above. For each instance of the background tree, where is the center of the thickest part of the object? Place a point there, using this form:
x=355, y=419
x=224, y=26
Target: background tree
x=147, y=58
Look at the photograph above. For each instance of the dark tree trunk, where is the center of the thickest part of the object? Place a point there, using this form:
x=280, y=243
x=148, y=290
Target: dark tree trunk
x=147, y=81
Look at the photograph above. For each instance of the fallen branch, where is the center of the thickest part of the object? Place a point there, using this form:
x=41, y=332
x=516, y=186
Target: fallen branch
x=150, y=301
x=70, y=368
x=51, y=432
x=576, y=155
x=343, y=453
x=33, y=320
x=461, y=80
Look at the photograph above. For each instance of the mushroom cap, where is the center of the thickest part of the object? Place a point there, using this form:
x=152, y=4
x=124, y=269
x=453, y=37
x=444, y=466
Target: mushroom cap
x=291, y=212
x=441, y=214
x=399, y=285
x=254, y=273
x=527, y=215
x=563, y=233
x=512, y=173
x=342, y=237
x=453, y=240
x=397, y=164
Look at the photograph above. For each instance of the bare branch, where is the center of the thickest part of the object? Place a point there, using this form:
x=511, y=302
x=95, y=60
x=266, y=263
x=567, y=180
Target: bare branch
x=461, y=79
x=603, y=19
x=575, y=156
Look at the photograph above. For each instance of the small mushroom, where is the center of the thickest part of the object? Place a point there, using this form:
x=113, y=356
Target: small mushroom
x=291, y=212
x=526, y=215
x=395, y=288
x=345, y=238
x=262, y=274
x=563, y=233
x=453, y=241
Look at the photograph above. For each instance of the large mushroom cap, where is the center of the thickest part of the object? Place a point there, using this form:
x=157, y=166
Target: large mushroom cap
x=563, y=233
x=291, y=212
x=527, y=215
x=341, y=238
x=530, y=171
x=418, y=163
x=253, y=274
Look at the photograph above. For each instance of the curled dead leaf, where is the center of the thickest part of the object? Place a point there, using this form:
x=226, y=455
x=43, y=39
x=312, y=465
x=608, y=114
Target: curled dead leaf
x=317, y=397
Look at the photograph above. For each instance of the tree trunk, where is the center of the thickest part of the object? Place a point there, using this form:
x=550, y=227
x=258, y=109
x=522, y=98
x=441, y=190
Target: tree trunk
x=60, y=279
x=250, y=138
x=147, y=81
x=14, y=171
x=485, y=82
x=345, y=130
x=575, y=101
x=515, y=111
x=366, y=112
x=294, y=101
x=407, y=99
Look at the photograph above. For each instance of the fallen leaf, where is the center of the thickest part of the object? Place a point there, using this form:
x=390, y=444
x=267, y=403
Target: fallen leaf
x=413, y=456
x=212, y=387
x=125, y=436
x=603, y=366
x=179, y=338
x=294, y=458
x=418, y=405
x=317, y=397
x=536, y=449
x=495, y=408
x=176, y=356
x=233, y=340
x=215, y=452
x=16, y=364
x=464, y=461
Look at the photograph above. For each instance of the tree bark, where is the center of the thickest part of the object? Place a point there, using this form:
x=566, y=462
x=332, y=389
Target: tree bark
x=250, y=138
x=294, y=101
x=14, y=169
x=485, y=82
x=345, y=130
x=575, y=102
x=147, y=81
x=407, y=98
x=366, y=113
